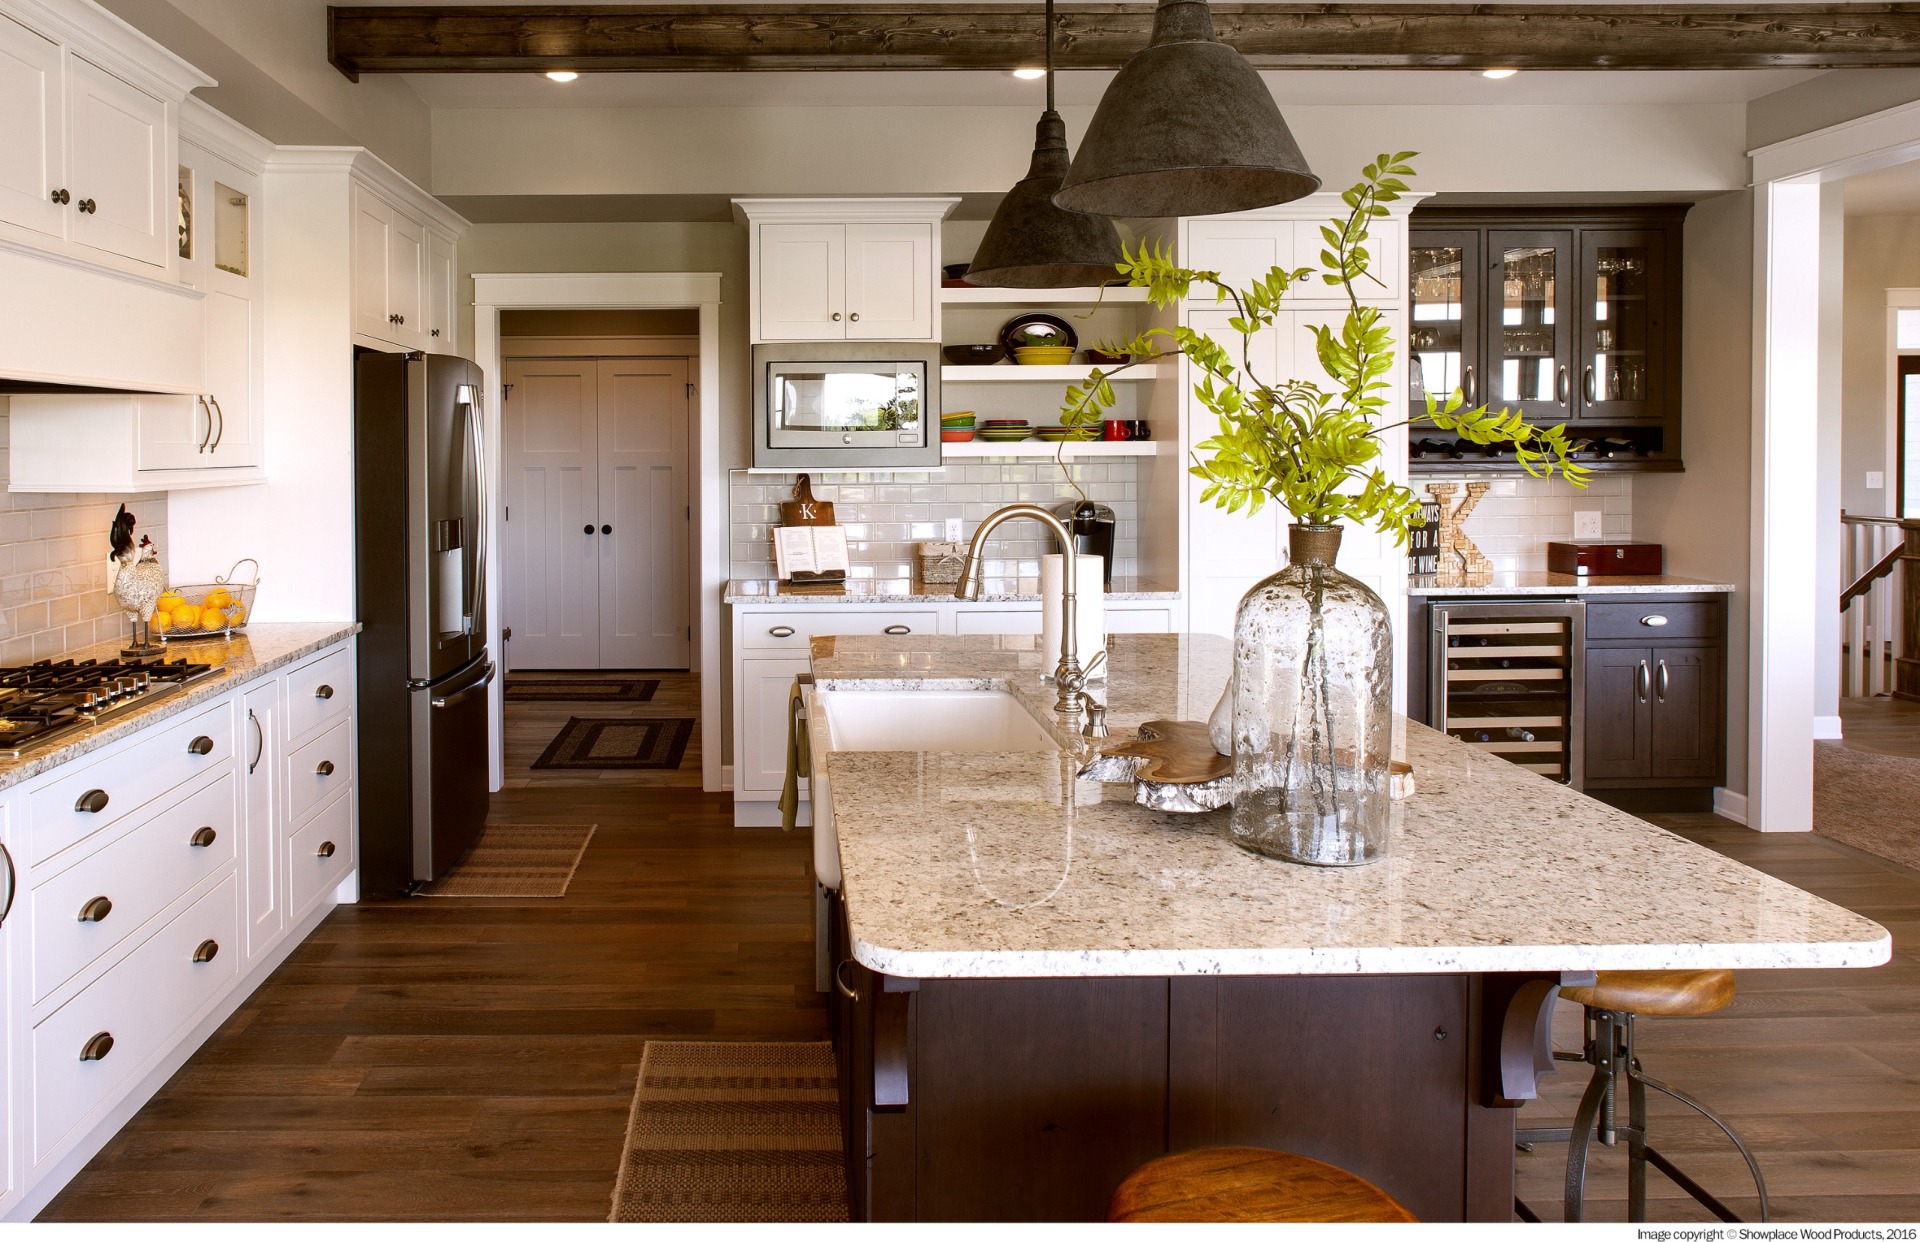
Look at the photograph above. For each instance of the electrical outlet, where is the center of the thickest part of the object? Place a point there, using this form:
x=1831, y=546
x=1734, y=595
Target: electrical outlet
x=1876, y=480
x=953, y=530
x=1586, y=523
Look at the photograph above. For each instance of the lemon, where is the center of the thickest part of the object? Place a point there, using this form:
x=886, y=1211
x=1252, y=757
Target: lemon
x=160, y=620
x=185, y=616
x=169, y=601
x=237, y=615
x=219, y=597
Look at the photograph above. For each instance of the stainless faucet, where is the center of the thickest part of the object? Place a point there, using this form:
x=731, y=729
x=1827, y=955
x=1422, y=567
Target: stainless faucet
x=1068, y=674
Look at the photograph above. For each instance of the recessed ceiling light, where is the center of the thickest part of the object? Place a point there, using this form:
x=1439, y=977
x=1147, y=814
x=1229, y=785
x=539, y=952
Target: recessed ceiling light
x=562, y=75
x=1029, y=75
x=1497, y=74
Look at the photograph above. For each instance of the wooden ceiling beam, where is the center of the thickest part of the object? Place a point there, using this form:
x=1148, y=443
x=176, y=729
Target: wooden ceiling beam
x=628, y=39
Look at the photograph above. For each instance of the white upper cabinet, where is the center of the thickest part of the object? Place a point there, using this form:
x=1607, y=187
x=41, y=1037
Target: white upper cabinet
x=442, y=334
x=33, y=142
x=396, y=262
x=118, y=140
x=845, y=269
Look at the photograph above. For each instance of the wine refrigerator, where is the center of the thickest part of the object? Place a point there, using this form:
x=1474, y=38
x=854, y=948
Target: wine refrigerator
x=1507, y=679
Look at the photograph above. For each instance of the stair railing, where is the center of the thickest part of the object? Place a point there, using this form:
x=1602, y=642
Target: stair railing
x=1870, y=603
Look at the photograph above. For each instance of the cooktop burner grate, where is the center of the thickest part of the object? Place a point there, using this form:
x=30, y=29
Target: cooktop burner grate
x=44, y=702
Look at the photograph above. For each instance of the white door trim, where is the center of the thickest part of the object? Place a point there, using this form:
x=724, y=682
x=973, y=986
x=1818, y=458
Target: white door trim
x=1786, y=523
x=495, y=292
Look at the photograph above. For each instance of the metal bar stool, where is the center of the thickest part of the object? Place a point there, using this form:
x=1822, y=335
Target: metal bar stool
x=1612, y=1002
x=1249, y=1184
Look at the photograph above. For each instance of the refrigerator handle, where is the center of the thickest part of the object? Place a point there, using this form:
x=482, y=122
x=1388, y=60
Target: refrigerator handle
x=476, y=442
x=472, y=687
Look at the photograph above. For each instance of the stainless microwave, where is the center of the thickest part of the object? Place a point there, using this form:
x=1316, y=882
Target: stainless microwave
x=846, y=405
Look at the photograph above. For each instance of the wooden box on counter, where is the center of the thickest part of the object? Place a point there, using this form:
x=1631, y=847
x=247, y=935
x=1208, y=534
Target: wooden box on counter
x=1604, y=558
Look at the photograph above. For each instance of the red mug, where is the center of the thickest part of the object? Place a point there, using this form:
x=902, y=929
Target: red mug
x=1117, y=429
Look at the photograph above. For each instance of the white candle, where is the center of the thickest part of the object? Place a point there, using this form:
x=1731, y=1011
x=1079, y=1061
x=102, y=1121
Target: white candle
x=1090, y=605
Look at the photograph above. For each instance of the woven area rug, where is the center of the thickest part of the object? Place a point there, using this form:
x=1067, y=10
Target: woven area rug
x=516, y=860
x=583, y=690
x=587, y=742
x=1869, y=801
x=733, y=1132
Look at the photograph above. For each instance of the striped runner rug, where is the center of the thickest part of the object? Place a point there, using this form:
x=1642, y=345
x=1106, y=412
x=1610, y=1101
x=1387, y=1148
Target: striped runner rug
x=733, y=1132
x=516, y=860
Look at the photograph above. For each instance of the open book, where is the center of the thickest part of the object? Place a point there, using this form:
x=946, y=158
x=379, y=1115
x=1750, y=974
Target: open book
x=811, y=553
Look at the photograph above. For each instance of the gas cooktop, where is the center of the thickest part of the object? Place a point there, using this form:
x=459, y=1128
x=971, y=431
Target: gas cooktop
x=42, y=703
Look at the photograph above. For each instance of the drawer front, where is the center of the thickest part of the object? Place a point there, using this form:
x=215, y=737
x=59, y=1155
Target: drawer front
x=141, y=1004
x=318, y=770
x=139, y=875
x=320, y=856
x=789, y=631
x=1655, y=620
x=319, y=690
x=129, y=779
x=1139, y=621
x=1008, y=620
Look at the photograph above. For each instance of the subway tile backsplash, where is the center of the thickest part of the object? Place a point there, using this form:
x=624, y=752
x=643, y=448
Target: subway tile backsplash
x=53, y=567
x=1514, y=522
x=886, y=513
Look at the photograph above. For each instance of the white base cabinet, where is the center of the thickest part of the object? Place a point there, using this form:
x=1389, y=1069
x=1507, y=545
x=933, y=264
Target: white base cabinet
x=771, y=648
x=160, y=879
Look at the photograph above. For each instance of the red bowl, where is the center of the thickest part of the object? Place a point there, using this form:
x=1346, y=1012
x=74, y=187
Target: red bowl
x=950, y=436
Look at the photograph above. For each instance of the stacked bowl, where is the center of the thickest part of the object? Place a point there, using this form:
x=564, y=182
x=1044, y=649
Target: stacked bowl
x=956, y=427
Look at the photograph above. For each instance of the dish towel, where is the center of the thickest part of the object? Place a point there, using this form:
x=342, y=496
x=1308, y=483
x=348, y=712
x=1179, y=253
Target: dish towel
x=799, y=757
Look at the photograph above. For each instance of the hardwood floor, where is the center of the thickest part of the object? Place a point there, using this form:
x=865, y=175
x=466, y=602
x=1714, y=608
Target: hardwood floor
x=1886, y=726
x=474, y=1059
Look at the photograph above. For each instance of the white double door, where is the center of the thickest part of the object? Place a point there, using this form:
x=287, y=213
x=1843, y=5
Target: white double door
x=595, y=465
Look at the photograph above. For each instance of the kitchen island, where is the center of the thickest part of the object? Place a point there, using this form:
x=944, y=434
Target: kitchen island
x=1042, y=984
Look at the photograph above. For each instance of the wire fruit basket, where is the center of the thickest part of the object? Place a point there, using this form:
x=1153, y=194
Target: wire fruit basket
x=217, y=609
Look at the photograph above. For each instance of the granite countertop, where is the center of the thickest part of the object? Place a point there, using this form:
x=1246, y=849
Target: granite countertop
x=1005, y=865
x=1572, y=584
x=259, y=650
x=994, y=590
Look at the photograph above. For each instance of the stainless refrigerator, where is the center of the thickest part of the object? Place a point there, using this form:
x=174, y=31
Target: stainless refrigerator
x=420, y=518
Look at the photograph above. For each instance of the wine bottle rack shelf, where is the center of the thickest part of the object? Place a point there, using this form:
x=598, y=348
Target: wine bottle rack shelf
x=1507, y=681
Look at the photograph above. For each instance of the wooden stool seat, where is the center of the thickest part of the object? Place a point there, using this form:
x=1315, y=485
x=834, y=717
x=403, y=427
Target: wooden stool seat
x=1669, y=993
x=1249, y=1184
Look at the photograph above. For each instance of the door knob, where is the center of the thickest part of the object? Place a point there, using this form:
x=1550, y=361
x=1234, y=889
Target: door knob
x=606, y=530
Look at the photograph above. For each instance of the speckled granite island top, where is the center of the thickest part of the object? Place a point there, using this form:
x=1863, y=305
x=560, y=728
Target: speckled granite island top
x=1573, y=584
x=260, y=650
x=994, y=590
x=983, y=865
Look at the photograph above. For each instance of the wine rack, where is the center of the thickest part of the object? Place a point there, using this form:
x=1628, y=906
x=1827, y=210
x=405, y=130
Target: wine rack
x=1507, y=679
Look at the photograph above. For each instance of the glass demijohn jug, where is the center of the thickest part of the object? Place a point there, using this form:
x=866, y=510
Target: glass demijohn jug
x=1312, y=723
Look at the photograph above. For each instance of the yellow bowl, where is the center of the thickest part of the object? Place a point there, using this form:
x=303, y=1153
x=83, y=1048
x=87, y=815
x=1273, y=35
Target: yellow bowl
x=1043, y=355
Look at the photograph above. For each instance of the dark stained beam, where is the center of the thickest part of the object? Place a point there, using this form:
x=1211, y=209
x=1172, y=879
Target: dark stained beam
x=624, y=38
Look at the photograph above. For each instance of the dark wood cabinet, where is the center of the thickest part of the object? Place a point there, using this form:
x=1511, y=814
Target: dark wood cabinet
x=1565, y=315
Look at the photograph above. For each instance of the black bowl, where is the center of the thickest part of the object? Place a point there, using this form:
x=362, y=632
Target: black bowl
x=972, y=355
x=954, y=271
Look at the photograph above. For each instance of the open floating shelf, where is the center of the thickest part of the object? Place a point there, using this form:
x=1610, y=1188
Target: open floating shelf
x=1013, y=373
x=1045, y=448
x=977, y=296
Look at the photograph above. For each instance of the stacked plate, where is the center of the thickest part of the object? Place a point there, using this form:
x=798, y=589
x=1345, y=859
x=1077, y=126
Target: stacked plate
x=1005, y=430
x=1067, y=433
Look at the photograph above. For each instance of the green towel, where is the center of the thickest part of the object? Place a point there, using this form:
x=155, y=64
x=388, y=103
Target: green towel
x=799, y=757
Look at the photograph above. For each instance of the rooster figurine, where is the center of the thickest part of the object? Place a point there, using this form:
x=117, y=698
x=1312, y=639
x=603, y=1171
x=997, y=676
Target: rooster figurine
x=135, y=581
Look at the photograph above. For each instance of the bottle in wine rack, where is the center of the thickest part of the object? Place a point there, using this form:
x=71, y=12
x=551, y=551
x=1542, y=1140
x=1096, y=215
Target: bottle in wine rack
x=1520, y=735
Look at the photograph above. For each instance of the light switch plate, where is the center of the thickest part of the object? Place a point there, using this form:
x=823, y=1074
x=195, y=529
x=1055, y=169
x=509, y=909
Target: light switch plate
x=953, y=530
x=1876, y=480
x=1586, y=523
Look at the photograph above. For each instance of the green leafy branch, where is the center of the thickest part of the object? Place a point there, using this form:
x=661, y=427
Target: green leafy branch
x=1313, y=449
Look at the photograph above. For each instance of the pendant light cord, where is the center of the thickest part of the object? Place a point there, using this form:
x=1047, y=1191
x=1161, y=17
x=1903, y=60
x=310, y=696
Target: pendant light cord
x=1050, y=55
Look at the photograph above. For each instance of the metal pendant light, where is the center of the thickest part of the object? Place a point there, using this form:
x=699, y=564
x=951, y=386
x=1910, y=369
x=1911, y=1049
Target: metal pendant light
x=1187, y=128
x=1032, y=244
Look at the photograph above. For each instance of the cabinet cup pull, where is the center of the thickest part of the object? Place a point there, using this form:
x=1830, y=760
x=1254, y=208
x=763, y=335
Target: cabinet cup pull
x=91, y=802
x=96, y=911
x=203, y=836
x=899, y=629
x=323, y=692
x=1654, y=619
x=207, y=951
x=97, y=1048
x=840, y=985
x=325, y=768
x=202, y=745
x=781, y=631
x=62, y=197
x=325, y=850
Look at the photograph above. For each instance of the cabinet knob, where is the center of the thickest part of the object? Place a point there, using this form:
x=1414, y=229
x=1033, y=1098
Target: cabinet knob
x=399, y=318
x=202, y=745
x=96, y=911
x=899, y=629
x=91, y=802
x=606, y=530
x=855, y=317
x=88, y=206
x=97, y=1048
x=587, y=529
x=325, y=850
x=207, y=951
x=203, y=836
x=836, y=316
x=62, y=197
x=323, y=691
x=1654, y=619
x=781, y=631
x=325, y=768
x=434, y=333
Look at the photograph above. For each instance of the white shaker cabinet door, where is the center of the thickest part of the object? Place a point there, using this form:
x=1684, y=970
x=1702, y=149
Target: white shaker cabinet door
x=760, y=767
x=441, y=338
x=33, y=144
x=123, y=193
x=172, y=432
x=802, y=282
x=406, y=281
x=230, y=353
x=266, y=881
x=889, y=291
x=372, y=229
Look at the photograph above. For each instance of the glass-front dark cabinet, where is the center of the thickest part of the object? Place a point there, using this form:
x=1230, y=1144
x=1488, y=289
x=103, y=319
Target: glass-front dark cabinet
x=1567, y=316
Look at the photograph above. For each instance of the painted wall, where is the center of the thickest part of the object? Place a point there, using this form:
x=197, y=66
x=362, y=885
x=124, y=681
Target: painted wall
x=1835, y=96
x=1882, y=252
x=1701, y=516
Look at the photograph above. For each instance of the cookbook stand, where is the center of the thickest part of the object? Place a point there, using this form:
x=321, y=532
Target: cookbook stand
x=809, y=547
